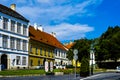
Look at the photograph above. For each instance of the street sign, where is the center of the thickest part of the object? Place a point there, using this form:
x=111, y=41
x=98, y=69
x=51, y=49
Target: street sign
x=75, y=51
x=75, y=57
x=46, y=66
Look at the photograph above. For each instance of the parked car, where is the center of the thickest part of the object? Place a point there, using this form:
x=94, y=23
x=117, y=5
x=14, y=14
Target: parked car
x=118, y=69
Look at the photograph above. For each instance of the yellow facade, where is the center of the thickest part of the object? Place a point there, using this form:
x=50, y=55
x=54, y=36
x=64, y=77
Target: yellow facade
x=78, y=64
x=39, y=53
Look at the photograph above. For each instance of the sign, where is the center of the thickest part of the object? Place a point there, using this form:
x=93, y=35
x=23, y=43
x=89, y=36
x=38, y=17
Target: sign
x=75, y=57
x=46, y=66
x=75, y=51
x=51, y=66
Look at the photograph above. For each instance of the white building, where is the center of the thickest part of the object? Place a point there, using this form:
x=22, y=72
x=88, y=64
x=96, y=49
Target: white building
x=13, y=38
x=61, y=59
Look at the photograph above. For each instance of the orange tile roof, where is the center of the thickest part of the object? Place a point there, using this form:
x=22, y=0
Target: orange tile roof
x=45, y=38
x=70, y=45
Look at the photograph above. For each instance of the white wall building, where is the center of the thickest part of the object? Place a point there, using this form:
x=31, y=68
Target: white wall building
x=61, y=58
x=13, y=38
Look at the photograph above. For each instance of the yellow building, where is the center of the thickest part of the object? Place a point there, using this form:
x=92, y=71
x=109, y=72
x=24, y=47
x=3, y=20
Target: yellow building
x=41, y=48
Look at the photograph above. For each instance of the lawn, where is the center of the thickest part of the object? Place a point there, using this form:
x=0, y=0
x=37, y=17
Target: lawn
x=21, y=72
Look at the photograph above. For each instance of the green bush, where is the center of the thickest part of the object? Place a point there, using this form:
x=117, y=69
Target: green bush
x=84, y=69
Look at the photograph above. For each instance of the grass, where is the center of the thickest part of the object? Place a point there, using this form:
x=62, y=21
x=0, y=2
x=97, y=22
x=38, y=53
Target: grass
x=41, y=72
x=21, y=72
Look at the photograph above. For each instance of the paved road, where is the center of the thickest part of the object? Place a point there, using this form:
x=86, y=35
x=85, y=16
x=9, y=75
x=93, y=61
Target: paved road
x=104, y=76
x=48, y=77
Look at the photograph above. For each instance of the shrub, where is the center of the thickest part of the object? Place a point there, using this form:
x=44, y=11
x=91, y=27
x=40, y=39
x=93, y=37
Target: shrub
x=84, y=69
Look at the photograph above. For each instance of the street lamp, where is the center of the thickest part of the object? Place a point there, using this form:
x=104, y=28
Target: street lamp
x=91, y=58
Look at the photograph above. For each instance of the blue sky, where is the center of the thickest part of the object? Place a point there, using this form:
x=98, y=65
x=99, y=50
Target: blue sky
x=70, y=19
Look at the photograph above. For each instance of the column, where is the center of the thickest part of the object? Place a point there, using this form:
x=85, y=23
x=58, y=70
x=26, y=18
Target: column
x=1, y=22
x=15, y=43
x=22, y=29
x=9, y=25
x=21, y=44
x=16, y=27
x=27, y=45
x=1, y=40
x=8, y=42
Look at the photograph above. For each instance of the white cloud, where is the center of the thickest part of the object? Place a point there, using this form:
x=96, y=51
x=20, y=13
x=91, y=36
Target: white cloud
x=66, y=31
x=56, y=10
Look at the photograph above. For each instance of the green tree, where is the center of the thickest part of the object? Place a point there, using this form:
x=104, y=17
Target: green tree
x=84, y=69
x=109, y=45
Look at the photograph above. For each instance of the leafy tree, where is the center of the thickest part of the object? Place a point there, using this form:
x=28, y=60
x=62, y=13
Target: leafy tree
x=109, y=45
x=84, y=69
x=83, y=47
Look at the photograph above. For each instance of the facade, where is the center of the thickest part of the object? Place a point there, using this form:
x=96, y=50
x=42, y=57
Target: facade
x=61, y=59
x=40, y=49
x=13, y=38
x=45, y=47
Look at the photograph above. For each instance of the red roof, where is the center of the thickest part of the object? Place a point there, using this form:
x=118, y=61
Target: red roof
x=44, y=37
x=70, y=45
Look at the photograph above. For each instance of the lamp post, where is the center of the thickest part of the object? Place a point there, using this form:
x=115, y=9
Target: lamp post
x=91, y=58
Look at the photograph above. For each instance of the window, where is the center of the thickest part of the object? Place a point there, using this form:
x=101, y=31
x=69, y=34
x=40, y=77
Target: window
x=24, y=45
x=24, y=30
x=38, y=62
x=30, y=48
x=31, y=62
x=18, y=44
x=5, y=23
x=49, y=53
x=45, y=52
x=56, y=52
x=5, y=42
x=40, y=51
x=37, y=51
x=13, y=26
x=12, y=43
x=23, y=60
x=17, y=60
x=18, y=28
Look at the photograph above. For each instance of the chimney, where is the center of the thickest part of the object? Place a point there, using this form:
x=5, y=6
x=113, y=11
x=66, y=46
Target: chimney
x=53, y=34
x=35, y=26
x=40, y=28
x=13, y=6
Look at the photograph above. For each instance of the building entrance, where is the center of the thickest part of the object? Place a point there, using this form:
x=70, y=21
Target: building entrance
x=4, y=61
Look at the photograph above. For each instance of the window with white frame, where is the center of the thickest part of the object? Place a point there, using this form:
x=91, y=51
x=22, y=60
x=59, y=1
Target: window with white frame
x=18, y=28
x=5, y=41
x=17, y=60
x=5, y=23
x=23, y=60
x=18, y=44
x=12, y=26
x=24, y=30
x=12, y=43
x=24, y=45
